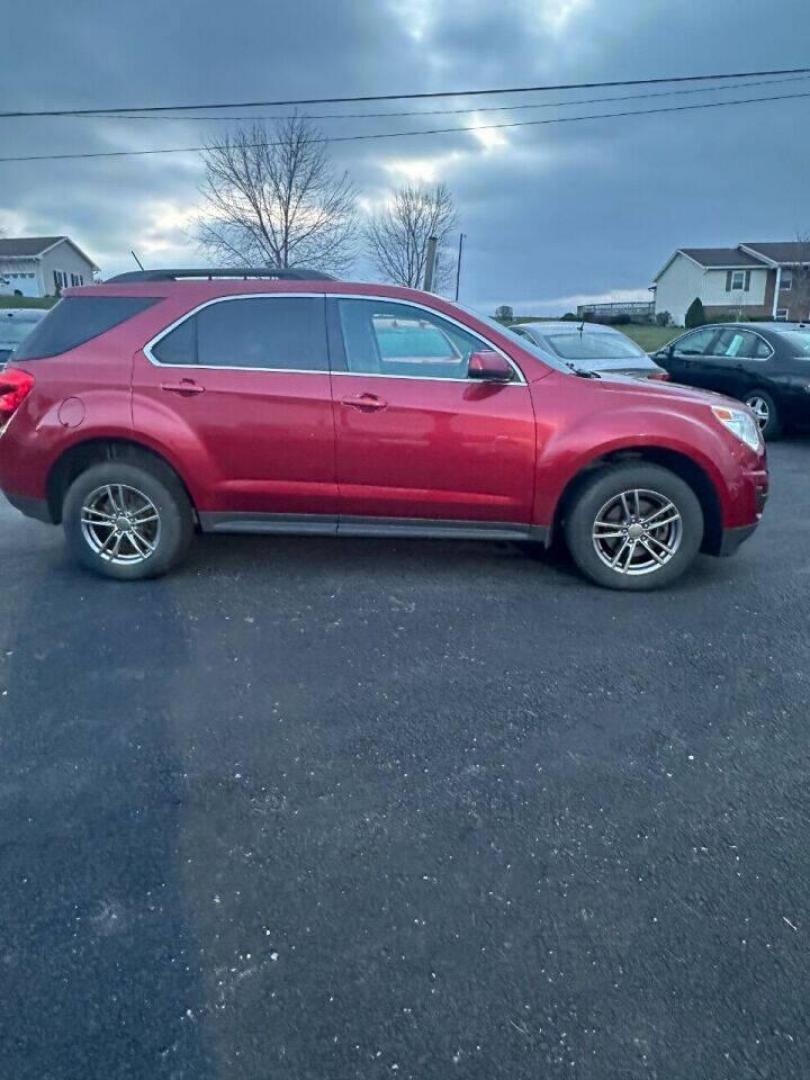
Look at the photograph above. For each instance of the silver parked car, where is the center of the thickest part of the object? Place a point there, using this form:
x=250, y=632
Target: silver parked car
x=15, y=325
x=591, y=347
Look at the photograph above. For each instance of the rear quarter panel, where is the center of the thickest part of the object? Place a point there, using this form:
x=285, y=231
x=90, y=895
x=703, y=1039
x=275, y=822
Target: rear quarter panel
x=80, y=395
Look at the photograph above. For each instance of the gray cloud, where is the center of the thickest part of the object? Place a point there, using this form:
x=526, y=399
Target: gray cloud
x=550, y=212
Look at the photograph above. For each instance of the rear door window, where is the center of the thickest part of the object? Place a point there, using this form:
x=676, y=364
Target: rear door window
x=271, y=333
x=78, y=319
x=733, y=344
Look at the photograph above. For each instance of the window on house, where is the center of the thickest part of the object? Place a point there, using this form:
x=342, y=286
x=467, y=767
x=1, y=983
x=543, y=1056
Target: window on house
x=782, y=314
x=738, y=279
x=786, y=284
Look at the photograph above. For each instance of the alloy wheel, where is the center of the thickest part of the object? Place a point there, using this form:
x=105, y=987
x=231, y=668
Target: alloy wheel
x=760, y=408
x=637, y=531
x=120, y=524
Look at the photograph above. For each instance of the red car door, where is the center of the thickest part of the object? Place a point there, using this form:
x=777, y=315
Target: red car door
x=238, y=393
x=416, y=438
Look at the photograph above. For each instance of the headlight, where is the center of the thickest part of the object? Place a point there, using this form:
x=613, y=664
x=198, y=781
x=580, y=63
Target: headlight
x=741, y=423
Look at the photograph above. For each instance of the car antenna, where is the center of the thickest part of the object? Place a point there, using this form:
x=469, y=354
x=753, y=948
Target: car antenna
x=137, y=260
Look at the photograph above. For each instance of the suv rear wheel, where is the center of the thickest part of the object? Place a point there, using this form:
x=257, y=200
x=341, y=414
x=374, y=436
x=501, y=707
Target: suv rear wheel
x=634, y=526
x=127, y=521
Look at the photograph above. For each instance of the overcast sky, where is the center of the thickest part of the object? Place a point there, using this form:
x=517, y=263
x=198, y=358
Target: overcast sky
x=552, y=214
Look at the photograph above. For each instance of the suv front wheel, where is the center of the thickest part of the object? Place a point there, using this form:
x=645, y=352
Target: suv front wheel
x=634, y=526
x=127, y=521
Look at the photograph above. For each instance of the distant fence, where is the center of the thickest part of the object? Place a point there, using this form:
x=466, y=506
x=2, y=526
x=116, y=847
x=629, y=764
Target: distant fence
x=635, y=310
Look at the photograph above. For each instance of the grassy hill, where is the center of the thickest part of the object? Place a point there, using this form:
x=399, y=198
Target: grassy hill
x=27, y=301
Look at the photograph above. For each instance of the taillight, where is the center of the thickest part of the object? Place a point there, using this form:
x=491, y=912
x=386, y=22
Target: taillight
x=15, y=386
x=660, y=376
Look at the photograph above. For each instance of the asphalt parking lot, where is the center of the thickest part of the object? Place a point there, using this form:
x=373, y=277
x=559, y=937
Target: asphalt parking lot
x=360, y=809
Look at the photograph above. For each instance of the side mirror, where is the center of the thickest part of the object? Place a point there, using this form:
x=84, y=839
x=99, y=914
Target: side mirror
x=490, y=367
x=662, y=354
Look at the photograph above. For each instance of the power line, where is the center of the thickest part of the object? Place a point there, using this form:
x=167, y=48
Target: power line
x=402, y=97
x=450, y=112
x=424, y=131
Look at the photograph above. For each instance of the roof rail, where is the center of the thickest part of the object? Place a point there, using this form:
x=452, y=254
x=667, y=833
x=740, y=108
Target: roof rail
x=209, y=273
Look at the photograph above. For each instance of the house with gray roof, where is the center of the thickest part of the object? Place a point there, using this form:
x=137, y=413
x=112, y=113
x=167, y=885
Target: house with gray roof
x=42, y=265
x=755, y=280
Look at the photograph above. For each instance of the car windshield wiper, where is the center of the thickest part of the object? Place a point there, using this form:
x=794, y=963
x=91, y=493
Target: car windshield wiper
x=584, y=373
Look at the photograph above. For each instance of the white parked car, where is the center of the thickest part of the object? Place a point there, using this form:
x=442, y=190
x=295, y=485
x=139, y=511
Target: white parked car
x=16, y=324
x=591, y=347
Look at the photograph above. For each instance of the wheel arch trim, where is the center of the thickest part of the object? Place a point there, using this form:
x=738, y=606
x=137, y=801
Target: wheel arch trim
x=91, y=450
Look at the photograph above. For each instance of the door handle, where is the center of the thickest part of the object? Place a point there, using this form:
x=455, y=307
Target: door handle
x=365, y=402
x=185, y=386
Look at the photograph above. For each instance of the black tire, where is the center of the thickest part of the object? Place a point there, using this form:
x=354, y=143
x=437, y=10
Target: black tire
x=167, y=495
x=596, y=492
x=773, y=428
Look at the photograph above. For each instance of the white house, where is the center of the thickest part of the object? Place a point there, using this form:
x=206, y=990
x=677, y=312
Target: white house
x=42, y=265
x=747, y=281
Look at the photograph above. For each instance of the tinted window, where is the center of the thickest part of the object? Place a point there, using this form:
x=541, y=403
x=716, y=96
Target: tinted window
x=696, y=344
x=394, y=339
x=78, y=319
x=179, y=346
x=272, y=332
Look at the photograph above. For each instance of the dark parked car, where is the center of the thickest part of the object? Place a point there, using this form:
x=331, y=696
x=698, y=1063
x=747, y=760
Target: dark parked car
x=766, y=365
x=15, y=325
x=591, y=347
x=147, y=408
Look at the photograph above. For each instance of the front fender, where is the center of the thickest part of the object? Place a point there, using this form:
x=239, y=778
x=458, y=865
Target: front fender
x=571, y=450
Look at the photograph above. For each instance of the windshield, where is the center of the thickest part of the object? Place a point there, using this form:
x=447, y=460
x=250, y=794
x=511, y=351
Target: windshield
x=585, y=346
x=799, y=341
x=545, y=355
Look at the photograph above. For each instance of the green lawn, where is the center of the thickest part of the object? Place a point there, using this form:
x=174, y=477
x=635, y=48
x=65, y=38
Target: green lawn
x=27, y=301
x=651, y=338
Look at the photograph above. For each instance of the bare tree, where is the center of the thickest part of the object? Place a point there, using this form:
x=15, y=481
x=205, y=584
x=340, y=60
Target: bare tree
x=396, y=237
x=274, y=199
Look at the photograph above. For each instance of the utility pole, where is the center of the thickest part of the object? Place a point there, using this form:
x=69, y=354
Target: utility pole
x=458, y=263
x=430, y=264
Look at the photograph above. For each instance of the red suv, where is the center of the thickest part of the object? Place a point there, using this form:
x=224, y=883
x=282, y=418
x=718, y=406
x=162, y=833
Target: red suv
x=168, y=401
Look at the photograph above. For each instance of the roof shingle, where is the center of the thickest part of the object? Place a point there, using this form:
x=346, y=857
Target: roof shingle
x=785, y=252
x=27, y=245
x=717, y=257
